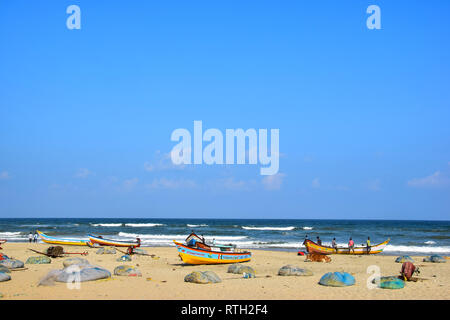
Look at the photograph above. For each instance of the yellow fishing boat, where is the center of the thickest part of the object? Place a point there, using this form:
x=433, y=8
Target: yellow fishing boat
x=62, y=241
x=313, y=247
x=198, y=252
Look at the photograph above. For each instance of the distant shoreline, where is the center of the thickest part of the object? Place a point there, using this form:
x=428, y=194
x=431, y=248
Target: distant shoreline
x=291, y=250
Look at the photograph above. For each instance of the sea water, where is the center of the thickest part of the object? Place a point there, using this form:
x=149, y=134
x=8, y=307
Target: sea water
x=407, y=237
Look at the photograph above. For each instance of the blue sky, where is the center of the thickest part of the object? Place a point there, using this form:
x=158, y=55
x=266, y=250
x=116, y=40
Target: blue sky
x=86, y=115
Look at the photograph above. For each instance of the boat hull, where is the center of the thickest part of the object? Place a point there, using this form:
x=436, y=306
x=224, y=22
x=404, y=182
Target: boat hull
x=197, y=256
x=111, y=243
x=61, y=241
x=313, y=247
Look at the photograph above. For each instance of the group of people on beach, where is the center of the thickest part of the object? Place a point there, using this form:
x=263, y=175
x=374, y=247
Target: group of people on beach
x=32, y=237
x=351, y=243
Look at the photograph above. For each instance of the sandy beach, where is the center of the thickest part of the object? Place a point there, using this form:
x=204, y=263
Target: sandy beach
x=163, y=278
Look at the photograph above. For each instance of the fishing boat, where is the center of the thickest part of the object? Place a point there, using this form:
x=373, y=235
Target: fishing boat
x=62, y=241
x=313, y=247
x=113, y=243
x=196, y=251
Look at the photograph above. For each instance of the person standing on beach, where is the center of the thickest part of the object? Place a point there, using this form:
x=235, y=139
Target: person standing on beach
x=304, y=241
x=130, y=250
x=351, y=246
x=30, y=237
x=333, y=244
x=35, y=237
x=319, y=242
x=138, y=241
x=368, y=245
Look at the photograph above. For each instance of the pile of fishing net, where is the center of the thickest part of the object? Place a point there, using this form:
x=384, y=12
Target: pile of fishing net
x=75, y=273
x=337, y=279
x=390, y=282
x=4, y=276
x=11, y=263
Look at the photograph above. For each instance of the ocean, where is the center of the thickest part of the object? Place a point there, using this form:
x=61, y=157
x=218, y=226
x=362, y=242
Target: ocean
x=407, y=237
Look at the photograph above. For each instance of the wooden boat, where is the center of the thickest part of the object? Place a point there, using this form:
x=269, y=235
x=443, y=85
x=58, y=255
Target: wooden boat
x=198, y=252
x=113, y=243
x=62, y=241
x=313, y=247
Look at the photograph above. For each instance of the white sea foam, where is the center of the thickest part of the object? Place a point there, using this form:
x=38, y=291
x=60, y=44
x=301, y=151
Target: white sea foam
x=196, y=225
x=9, y=234
x=418, y=249
x=13, y=236
x=177, y=236
x=307, y=228
x=14, y=239
x=152, y=236
x=106, y=224
x=389, y=249
x=430, y=242
x=166, y=239
x=270, y=228
x=143, y=224
x=165, y=242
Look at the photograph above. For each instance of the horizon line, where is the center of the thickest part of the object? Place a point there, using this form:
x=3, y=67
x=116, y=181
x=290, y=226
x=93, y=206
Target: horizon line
x=136, y=218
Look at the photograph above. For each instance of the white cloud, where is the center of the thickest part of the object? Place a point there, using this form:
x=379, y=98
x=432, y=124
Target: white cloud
x=340, y=188
x=233, y=184
x=308, y=158
x=316, y=183
x=164, y=183
x=149, y=167
x=162, y=161
x=130, y=183
x=4, y=175
x=374, y=185
x=437, y=179
x=83, y=173
x=273, y=182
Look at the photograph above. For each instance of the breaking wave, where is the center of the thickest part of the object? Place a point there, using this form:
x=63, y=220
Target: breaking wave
x=270, y=228
x=9, y=234
x=137, y=225
x=177, y=236
x=106, y=224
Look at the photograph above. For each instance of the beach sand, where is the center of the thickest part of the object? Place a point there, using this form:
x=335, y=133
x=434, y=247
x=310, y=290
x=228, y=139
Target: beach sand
x=167, y=278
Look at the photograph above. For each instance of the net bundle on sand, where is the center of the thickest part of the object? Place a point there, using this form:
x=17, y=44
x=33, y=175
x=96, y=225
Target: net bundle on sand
x=75, y=273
